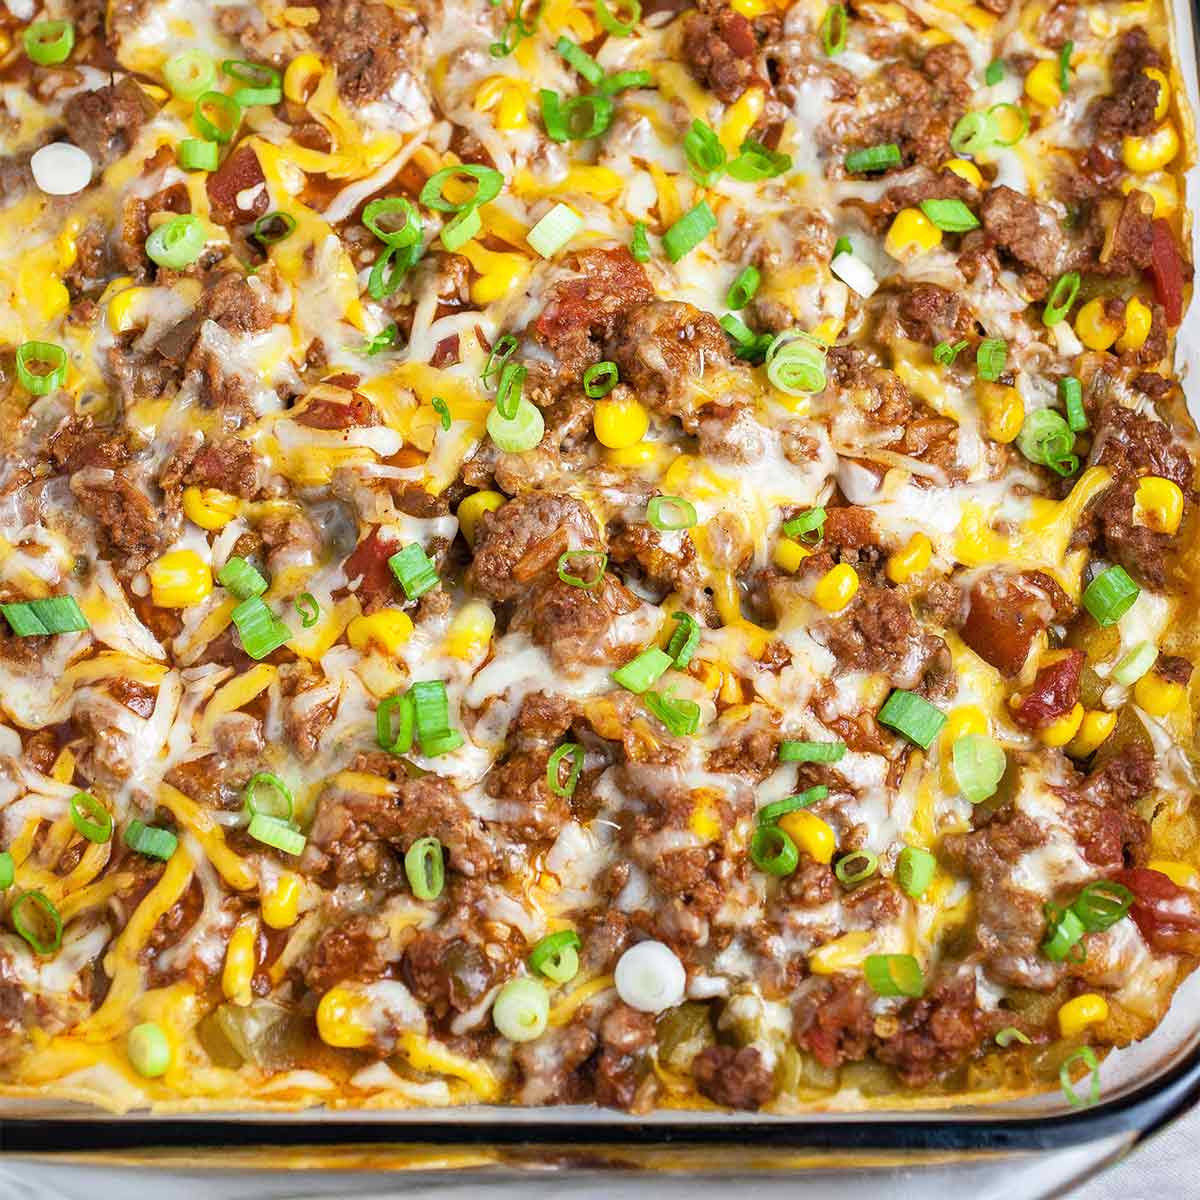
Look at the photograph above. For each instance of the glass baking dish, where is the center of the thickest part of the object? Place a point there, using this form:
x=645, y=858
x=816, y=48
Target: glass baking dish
x=1029, y=1148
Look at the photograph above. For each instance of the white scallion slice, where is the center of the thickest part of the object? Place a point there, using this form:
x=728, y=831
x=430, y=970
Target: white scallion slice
x=650, y=978
x=61, y=169
x=854, y=273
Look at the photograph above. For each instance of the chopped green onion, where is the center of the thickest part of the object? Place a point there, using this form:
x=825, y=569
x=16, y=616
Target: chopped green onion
x=684, y=639
x=756, y=161
x=1022, y=118
x=770, y=813
x=669, y=513
x=148, y=1050
x=973, y=133
x=32, y=931
x=1064, y=67
x=198, y=154
x=1087, y=1056
x=554, y=780
x=508, y=393
x=414, y=570
x=23, y=621
x=90, y=818
x=1062, y=296
x=817, y=752
x=217, y=116
x=979, y=764
x=189, y=73
x=576, y=119
x=843, y=246
x=557, y=956
x=639, y=247
x=749, y=346
x=1102, y=904
x=994, y=73
x=488, y=182
x=442, y=743
x=1070, y=392
x=689, y=231
x=177, y=243
x=522, y=432
x=856, y=866
x=796, y=363
x=432, y=717
x=46, y=355
x=425, y=866
x=771, y=850
x=620, y=81
x=381, y=341
x=260, y=630
x=511, y=36
x=554, y=230
x=267, y=794
x=833, y=29
x=1064, y=931
x=614, y=25
x=952, y=216
x=8, y=870
x=1136, y=663
x=49, y=42
x=915, y=869
x=854, y=273
x=54, y=614
x=442, y=409
x=241, y=577
x=600, y=379
x=990, y=357
x=395, y=723
x=681, y=717
x=406, y=233
x=808, y=526
x=501, y=352
x=640, y=673
x=1110, y=595
x=873, y=158
x=1010, y=1034
x=265, y=83
x=894, y=975
x=705, y=154
x=522, y=1006
x=912, y=716
x=150, y=840
x=1046, y=438
x=389, y=269
x=460, y=229
x=277, y=834
x=945, y=353
x=742, y=290
x=308, y=608
x=594, y=563
x=580, y=59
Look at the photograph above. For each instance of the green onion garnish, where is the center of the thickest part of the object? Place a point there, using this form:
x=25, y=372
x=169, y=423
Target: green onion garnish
x=389, y=269
x=1046, y=438
x=1062, y=296
x=414, y=570
x=217, y=116
x=582, y=568
x=915, y=869
x=681, y=717
x=8, y=870
x=522, y=1006
x=669, y=513
x=843, y=246
x=1064, y=67
x=818, y=752
x=501, y=352
x=1022, y=121
x=92, y=820
x=990, y=357
x=32, y=927
x=49, y=42
x=385, y=339
x=873, y=158
x=833, y=29
x=1010, y=1034
x=405, y=233
x=614, y=25
x=554, y=780
x=576, y=119
x=973, y=133
x=796, y=363
x=994, y=73
x=912, y=716
x=639, y=246
x=460, y=229
x=508, y=392
x=1102, y=904
x=1070, y=392
x=742, y=290
x=580, y=59
x=308, y=608
x=177, y=243
x=747, y=345
x=979, y=764
x=54, y=614
x=557, y=956
x=1110, y=595
x=952, y=216
x=1087, y=1056
x=771, y=850
x=395, y=724
x=522, y=432
x=554, y=230
x=705, y=154
x=277, y=834
x=431, y=712
x=600, y=379
x=265, y=84
x=855, y=867
x=442, y=409
x=756, y=161
x=198, y=154
x=52, y=361
x=189, y=73
x=267, y=794
x=684, y=639
x=150, y=840
x=770, y=813
x=945, y=353
x=241, y=578
x=894, y=975
x=148, y=1050
x=808, y=526
x=425, y=866
x=488, y=182
x=1135, y=664
x=1064, y=931
x=689, y=231
x=260, y=630
x=643, y=671
x=622, y=80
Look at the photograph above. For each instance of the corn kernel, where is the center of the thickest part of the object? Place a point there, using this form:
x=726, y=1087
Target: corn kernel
x=120, y=308
x=1094, y=728
x=789, y=554
x=473, y=507
x=633, y=458
x=1041, y=84
x=966, y=718
x=240, y=962
x=341, y=1020
x=471, y=630
x=1158, y=696
x=1180, y=873
x=180, y=579
x=827, y=330
x=836, y=588
x=1158, y=504
x=910, y=561
x=1059, y=732
x=1152, y=152
x=1164, y=91
x=845, y=953
x=1161, y=188
x=387, y=629
x=281, y=905
x=812, y=835
x=1076, y=1015
x=499, y=272
x=1138, y=319
x=620, y=423
x=750, y=8
x=911, y=235
x=704, y=822
x=965, y=169
x=1096, y=330
x=508, y=96
x=301, y=77
x=210, y=508
x=1003, y=410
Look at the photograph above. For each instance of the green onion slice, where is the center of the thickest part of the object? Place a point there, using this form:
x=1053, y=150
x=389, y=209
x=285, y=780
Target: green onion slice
x=1087, y=1056
x=217, y=116
x=979, y=764
x=414, y=570
x=8, y=870
x=48, y=43
x=945, y=353
x=952, y=216
x=990, y=357
x=576, y=119
x=770, y=813
x=580, y=59
x=92, y=820
x=894, y=975
x=1064, y=67
x=500, y=354
x=705, y=154
x=308, y=608
x=488, y=182
x=198, y=154
x=521, y=433
x=1070, y=392
x=51, y=363
x=856, y=866
x=264, y=84
x=771, y=850
x=913, y=717
x=620, y=81
x=425, y=866
x=600, y=379
x=403, y=222
x=177, y=243
x=974, y=132
x=377, y=343
x=189, y=73
x=395, y=724
x=681, y=717
x=1022, y=120
x=556, y=956
x=150, y=840
x=277, y=834
x=670, y=513
x=241, y=577
x=685, y=637
x=873, y=158
x=554, y=230
x=689, y=231
x=508, y=393
x=639, y=246
x=521, y=1009
x=51, y=615
x=818, y=752
x=1010, y=1034
x=442, y=409
x=833, y=29
x=808, y=526
x=1136, y=663
x=582, y=568
x=613, y=24
x=267, y=794
x=994, y=73
x=747, y=345
x=756, y=161
x=1101, y=905
x=742, y=290
x=1046, y=438
x=460, y=229
x=1062, y=297
x=42, y=928
x=642, y=672
x=796, y=363
x=1110, y=595
x=1064, y=932
x=554, y=780
x=915, y=869
x=261, y=632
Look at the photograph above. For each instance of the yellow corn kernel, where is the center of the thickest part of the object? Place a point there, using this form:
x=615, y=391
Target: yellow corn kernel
x=341, y=1020
x=120, y=308
x=741, y=118
x=499, y=272
x=704, y=822
x=1164, y=91
x=965, y=169
x=1095, y=727
x=910, y=561
x=1003, y=410
x=210, y=508
x=471, y=630
x=620, y=423
x=281, y=905
x=301, y=76
x=1158, y=696
x=1076, y=1015
x=1181, y=873
x=966, y=718
x=912, y=234
x=1138, y=318
x=508, y=97
x=180, y=579
x=644, y=454
x=1059, y=732
x=388, y=629
x=1041, y=84
x=1096, y=330
x=845, y=953
x=979, y=19
x=812, y=835
x=1158, y=504
x=240, y=961
x=1152, y=152
x=827, y=330
x=1161, y=188
x=789, y=554
x=750, y=9
x=473, y=507
x=836, y=588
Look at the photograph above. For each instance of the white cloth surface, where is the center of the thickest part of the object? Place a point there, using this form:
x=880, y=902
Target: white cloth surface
x=1167, y=1167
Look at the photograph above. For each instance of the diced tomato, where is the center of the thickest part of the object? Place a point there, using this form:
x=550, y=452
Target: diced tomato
x=1054, y=693
x=1167, y=915
x=1166, y=271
